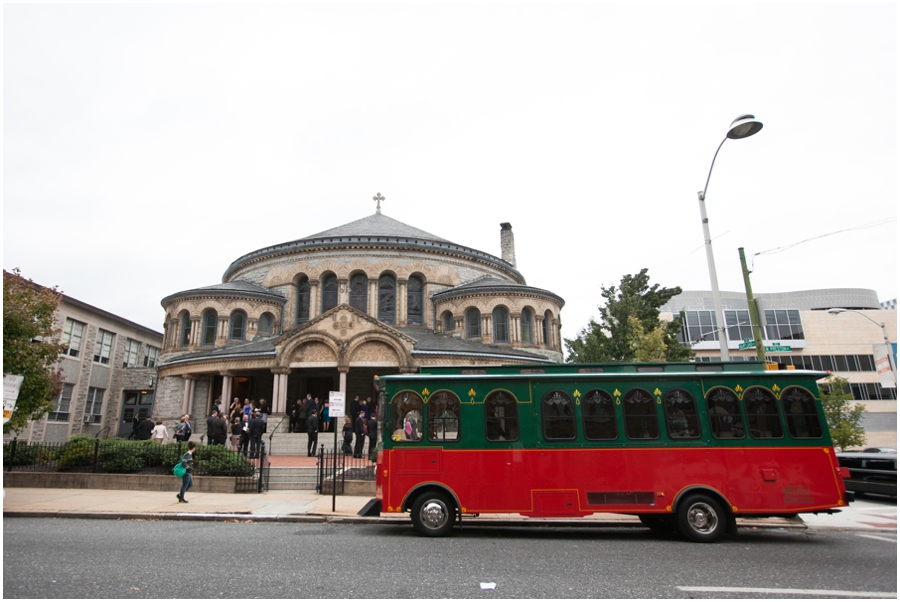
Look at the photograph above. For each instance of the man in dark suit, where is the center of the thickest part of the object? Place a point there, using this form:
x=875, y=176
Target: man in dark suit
x=210, y=428
x=312, y=429
x=145, y=429
x=220, y=430
x=359, y=429
x=255, y=430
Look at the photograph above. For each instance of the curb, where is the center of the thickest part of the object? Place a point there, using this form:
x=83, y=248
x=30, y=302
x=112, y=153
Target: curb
x=360, y=520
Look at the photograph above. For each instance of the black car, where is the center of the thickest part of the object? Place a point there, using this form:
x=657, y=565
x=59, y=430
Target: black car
x=870, y=472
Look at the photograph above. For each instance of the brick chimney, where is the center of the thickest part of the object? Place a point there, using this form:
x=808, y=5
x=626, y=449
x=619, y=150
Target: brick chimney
x=507, y=244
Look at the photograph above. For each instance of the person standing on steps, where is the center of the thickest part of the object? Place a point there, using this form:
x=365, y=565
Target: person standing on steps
x=312, y=429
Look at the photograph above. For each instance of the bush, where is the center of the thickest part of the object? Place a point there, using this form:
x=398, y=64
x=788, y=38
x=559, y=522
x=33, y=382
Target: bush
x=123, y=463
x=77, y=453
x=217, y=461
x=26, y=454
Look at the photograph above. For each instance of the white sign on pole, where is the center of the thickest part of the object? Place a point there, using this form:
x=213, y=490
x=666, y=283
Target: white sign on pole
x=11, y=386
x=883, y=366
x=335, y=403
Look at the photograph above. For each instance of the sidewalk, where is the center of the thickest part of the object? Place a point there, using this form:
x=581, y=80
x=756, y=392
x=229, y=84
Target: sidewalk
x=309, y=506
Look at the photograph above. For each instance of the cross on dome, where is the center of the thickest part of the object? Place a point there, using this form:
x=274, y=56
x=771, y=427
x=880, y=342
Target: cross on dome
x=378, y=198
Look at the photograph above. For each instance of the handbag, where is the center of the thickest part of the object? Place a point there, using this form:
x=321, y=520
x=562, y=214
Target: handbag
x=179, y=470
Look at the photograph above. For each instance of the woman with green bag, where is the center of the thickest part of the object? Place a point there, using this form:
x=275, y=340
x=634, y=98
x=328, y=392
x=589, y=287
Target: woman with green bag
x=187, y=481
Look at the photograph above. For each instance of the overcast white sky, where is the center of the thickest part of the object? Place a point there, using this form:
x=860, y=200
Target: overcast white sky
x=148, y=146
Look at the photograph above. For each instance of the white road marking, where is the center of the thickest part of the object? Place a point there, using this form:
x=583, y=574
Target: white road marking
x=785, y=591
x=877, y=537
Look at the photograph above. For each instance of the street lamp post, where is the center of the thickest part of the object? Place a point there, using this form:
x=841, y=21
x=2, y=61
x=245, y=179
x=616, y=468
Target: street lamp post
x=887, y=341
x=742, y=127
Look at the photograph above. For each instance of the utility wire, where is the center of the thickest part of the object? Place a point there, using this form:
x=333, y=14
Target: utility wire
x=863, y=227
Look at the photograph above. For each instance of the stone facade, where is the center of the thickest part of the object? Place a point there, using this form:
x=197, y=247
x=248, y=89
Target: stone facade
x=331, y=311
x=109, y=379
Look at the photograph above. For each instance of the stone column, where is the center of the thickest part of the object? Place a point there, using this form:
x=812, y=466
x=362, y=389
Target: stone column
x=401, y=302
x=314, y=302
x=538, y=330
x=279, y=390
x=373, y=298
x=227, y=382
x=187, y=406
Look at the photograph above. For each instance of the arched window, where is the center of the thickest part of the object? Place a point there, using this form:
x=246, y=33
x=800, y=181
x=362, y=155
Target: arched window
x=303, y=300
x=266, y=324
x=473, y=323
x=329, y=292
x=500, y=318
x=406, y=417
x=185, y=338
x=725, y=420
x=548, y=323
x=598, y=412
x=501, y=417
x=527, y=327
x=763, y=417
x=558, y=416
x=448, y=321
x=237, y=326
x=359, y=292
x=415, y=302
x=800, y=411
x=682, y=419
x=387, y=299
x=210, y=327
x=639, y=409
x=443, y=417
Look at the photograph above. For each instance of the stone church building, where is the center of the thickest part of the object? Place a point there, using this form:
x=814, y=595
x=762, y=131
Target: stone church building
x=330, y=311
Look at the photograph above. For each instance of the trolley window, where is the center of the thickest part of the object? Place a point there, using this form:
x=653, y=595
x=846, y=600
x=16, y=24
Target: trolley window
x=762, y=414
x=406, y=421
x=599, y=416
x=725, y=420
x=682, y=418
x=443, y=417
x=501, y=417
x=641, y=420
x=558, y=416
x=800, y=412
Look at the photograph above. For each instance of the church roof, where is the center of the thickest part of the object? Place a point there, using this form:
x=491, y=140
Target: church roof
x=492, y=286
x=377, y=225
x=237, y=288
x=374, y=231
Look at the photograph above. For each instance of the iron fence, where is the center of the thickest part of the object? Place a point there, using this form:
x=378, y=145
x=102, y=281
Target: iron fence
x=336, y=468
x=94, y=455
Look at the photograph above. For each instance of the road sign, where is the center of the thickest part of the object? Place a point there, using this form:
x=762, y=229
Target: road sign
x=747, y=344
x=776, y=348
x=11, y=386
x=335, y=404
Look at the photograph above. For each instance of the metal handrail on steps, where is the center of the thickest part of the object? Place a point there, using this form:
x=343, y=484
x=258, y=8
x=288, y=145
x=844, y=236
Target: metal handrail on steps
x=272, y=433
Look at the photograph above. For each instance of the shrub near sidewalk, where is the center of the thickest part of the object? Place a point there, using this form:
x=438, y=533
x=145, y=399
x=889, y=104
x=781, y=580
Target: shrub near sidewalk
x=116, y=455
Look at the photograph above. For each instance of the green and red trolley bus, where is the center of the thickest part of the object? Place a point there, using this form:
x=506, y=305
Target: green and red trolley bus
x=686, y=447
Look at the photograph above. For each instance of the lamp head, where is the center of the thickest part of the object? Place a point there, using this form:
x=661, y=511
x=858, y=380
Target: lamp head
x=836, y=310
x=744, y=127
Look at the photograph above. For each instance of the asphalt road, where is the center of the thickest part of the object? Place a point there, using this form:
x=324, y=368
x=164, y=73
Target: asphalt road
x=74, y=558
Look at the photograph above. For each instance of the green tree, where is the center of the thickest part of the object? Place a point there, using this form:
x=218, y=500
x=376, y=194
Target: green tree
x=613, y=339
x=30, y=346
x=842, y=416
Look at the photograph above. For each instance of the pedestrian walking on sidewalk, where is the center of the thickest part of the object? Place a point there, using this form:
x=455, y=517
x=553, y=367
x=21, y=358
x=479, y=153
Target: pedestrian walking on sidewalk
x=312, y=429
x=187, y=481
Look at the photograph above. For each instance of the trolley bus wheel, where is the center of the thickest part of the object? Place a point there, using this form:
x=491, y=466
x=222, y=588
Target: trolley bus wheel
x=701, y=518
x=658, y=523
x=433, y=514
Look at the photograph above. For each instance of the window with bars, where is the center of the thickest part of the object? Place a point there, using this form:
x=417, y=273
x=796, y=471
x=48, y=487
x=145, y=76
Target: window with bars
x=237, y=329
x=73, y=333
x=132, y=353
x=266, y=324
x=527, y=324
x=185, y=330
x=103, y=346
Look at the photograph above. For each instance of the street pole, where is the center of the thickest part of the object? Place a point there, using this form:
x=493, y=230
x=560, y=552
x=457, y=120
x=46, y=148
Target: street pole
x=751, y=304
x=742, y=127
